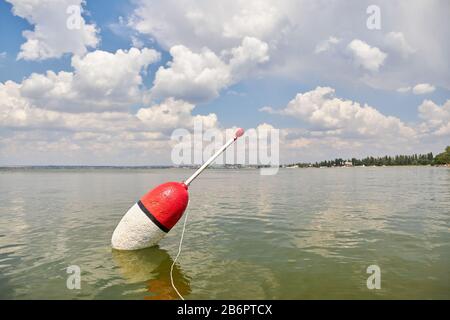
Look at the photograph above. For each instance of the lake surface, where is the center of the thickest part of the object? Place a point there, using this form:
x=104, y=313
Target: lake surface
x=300, y=234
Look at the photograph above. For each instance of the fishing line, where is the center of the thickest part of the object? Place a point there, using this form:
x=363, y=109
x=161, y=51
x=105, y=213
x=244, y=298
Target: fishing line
x=178, y=254
x=239, y=132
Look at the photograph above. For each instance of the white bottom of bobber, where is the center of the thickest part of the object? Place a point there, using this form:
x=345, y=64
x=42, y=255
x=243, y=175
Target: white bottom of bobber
x=136, y=231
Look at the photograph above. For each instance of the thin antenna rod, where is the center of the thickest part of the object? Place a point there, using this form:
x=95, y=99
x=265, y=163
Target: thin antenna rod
x=239, y=132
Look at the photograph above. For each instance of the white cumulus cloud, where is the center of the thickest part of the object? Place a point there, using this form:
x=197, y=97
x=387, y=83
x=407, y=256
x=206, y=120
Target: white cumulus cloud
x=57, y=136
x=397, y=41
x=436, y=118
x=199, y=76
x=100, y=81
x=172, y=114
x=366, y=56
x=214, y=24
x=50, y=37
x=291, y=31
x=423, y=88
x=334, y=116
x=326, y=45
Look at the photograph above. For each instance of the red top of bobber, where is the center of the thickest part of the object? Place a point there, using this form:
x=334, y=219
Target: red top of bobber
x=239, y=133
x=167, y=202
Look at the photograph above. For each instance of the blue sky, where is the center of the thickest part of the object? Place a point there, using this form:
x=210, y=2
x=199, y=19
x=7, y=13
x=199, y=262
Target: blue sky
x=239, y=64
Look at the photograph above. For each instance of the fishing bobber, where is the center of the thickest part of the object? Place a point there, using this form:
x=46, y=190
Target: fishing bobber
x=151, y=217
x=149, y=220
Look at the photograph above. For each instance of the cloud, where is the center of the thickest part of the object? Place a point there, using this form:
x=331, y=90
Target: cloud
x=116, y=76
x=18, y=111
x=315, y=143
x=198, y=77
x=193, y=76
x=51, y=38
x=3, y=56
x=100, y=81
x=250, y=53
x=213, y=24
x=252, y=18
x=137, y=43
x=87, y=111
x=33, y=135
x=370, y=58
x=328, y=115
x=332, y=127
x=215, y=45
x=423, y=88
x=397, y=42
x=326, y=45
x=172, y=114
x=268, y=109
x=418, y=49
x=436, y=118
x=404, y=89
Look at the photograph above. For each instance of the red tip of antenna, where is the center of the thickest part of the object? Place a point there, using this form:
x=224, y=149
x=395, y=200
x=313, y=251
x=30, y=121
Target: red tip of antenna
x=239, y=132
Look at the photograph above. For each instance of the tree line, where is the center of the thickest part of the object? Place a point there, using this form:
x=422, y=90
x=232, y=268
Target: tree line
x=399, y=160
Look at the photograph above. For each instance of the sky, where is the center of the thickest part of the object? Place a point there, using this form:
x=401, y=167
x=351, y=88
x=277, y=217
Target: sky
x=107, y=82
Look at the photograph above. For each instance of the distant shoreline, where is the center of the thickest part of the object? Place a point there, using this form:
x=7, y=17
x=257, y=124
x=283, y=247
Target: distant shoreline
x=374, y=166
x=414, y=160
x=231, y=167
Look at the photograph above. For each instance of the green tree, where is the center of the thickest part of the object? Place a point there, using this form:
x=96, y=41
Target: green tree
x=444, y=157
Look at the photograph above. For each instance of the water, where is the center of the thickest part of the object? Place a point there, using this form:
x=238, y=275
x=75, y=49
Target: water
x=301, y=234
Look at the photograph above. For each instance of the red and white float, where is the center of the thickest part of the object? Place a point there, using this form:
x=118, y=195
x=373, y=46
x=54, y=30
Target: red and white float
x=152, y=217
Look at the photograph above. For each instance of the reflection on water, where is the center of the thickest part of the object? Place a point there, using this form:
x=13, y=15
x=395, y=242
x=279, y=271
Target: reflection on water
x=152, y=266
x=301, y=234
x=339, y=225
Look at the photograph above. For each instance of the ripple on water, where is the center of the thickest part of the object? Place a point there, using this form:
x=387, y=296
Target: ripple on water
x=300, y=234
